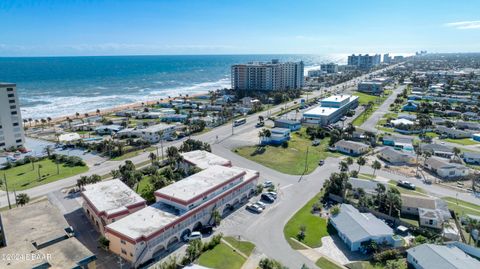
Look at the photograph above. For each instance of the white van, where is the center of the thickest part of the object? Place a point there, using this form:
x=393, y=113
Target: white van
x=192, y=236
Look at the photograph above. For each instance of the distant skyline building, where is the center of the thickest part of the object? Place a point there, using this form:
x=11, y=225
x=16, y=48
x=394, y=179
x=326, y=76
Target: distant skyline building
x=11, y=129
x=330, y=68
x=269, y=76
x=364, y=61
x=386, y=58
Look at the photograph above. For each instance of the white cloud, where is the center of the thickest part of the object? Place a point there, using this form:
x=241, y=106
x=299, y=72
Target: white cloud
x=462, y=25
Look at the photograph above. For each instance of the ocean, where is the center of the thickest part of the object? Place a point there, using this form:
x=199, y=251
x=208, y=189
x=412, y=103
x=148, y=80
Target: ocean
x=57, y=86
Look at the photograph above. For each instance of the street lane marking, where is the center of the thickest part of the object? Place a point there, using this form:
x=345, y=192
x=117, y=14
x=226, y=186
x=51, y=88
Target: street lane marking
x=287, y=186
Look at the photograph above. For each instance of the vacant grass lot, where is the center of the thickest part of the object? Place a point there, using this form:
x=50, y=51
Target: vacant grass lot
x=365, y=99
x=316, y=227
x=133, y=154
x=221, y=257
x=462, y=207
x=25, y=177
x=463, y=141
x=289, y=160
x=326, y=264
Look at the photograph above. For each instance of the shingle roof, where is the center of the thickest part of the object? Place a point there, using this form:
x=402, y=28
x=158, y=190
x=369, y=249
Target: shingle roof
x=350, y=144
x=442, y=257
x=357, y=226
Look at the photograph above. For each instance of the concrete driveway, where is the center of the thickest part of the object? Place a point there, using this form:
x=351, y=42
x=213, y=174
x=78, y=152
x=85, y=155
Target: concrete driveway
x=334, y=248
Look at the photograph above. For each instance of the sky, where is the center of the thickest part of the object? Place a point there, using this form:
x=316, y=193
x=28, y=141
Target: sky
x=140, y=27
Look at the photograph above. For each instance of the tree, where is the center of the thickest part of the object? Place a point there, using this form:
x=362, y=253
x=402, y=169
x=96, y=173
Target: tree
x=343, y=166
x=22, y=199
x=38, y=170
x=217, y=218
x=266, y=263
x=172, y=155
x=115, y=173
x=380, y=197
x=361, y=162
x=456, y=151
x=193, y=250
x=103, y=242
x=376, y=165
x=152, y=157
x=393, y=201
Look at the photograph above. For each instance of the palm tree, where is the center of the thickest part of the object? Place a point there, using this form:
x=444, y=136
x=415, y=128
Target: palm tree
x=38, y=168
x=392, y=198
x=115, y=173
x=48, y=150
x=343, y=166
x=22, y=199
x=152, y=157
x=376, y=165
x=361, y=162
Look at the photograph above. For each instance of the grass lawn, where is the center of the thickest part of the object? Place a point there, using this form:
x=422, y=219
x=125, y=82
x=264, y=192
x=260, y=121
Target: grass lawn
x=143, y=183
x=316, y=227
x=133, y=154
x=366, y=176
x=24, y=177
x=463, y=141
x=372, y=265
x=462, y=207
x=221, y=257
x=411, y=221
x=418, y=191
x=364, y=99
x=244, y=246
x=326, y=264
x=289, y=160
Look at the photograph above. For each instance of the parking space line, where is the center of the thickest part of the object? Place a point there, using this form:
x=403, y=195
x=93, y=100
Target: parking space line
x=287, y=186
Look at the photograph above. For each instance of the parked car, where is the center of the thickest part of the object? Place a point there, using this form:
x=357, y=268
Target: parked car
x=273, y=194
x=321, y=162
x=268, y=198
x=406, y=184
x=206, y=229
x=267, y=184
x=254, y=208
x=192, y=236
x=316, y=142
x=260, y=204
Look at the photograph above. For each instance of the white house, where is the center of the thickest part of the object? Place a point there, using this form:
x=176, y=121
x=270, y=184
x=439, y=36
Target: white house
x=357, y=229
x=351, y=147
x=443, y=168
x=155, y=133
x=398, y=157
x=439, y=257
x=432, y=212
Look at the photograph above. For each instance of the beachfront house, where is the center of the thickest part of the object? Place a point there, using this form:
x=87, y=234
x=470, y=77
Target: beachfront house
x=352, y=148
x=108, y=129
x=155, y=133
x=358, y=229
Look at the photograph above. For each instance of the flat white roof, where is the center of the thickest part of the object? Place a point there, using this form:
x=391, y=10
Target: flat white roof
x=320, y=111
x=336, y=98
x=145, y=221
x=111, y=196
x=157, y=128
x=201, y=182
x=150, y=219
x=204, y=159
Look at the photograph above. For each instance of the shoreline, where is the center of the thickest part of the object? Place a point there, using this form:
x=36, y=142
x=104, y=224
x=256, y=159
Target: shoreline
x=112, y=109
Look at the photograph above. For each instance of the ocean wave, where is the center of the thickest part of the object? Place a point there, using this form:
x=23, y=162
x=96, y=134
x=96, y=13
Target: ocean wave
x=69, y=105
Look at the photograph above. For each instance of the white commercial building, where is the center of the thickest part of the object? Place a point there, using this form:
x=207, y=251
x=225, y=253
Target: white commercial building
x=331, y=109
x=181, y=208
x=203, y=159
x=271, y=76
x=155, y=133
x=11, y=130
x=108, y=201
x=364, y=61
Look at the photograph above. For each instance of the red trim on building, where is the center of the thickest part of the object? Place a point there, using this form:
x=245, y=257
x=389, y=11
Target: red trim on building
x=180, y=219
x=116, y=214
x=186, y=203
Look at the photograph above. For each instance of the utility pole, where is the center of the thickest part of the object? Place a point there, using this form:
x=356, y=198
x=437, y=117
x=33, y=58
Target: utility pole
x=306, y=162
x=6, y=189
x=15, y=195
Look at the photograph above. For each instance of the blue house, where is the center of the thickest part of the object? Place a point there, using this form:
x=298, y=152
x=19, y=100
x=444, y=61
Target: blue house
x=410, y=106
x=289, y=124
x=277, y=137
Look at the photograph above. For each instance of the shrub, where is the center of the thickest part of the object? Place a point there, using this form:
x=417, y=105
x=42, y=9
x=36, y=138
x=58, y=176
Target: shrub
x=384, y=256
x=285, y=144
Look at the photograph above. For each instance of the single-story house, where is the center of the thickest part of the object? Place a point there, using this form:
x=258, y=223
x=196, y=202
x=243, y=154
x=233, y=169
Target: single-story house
x=174, y=117
x=445, y=169
x=467, y=125
x=439, y=257
x=410, y=106
x=411, y=117
x=277, y=137
x=401, y=121
x=398, y=157
x=68, y=137
x=368, y=186
x=351, y=147
x=476, y=137
x=108, y=129
x=471, y=157
x=432, y=212
x=438, y=150
x=452, y=132
x=398, y=142
x=470, y=115
x=293, y=125
x=357, y=229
